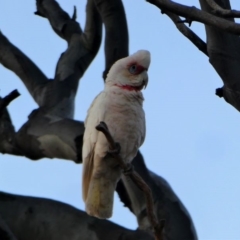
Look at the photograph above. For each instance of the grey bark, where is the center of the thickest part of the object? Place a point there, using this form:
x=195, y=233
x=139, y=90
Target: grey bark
x=51, y=132
x=44, y=219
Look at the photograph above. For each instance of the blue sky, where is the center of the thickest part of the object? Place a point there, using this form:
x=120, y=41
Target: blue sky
x=192, y=135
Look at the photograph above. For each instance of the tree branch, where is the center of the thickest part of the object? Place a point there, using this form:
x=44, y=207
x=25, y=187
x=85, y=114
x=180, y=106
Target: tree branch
x=40, y=219
x=82, y=48
x=46, y=136
x=217, y=9
x=224, y=55
x=116, y=42
x=187, y=32
x=196, y=14
x=40, y=137
x=7, y=131
x=167, y=206
x=62, y=24
x=7, y=100
x=15, y=60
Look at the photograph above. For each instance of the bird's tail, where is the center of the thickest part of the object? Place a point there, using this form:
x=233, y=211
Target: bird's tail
x=99, y=201
x=100, y=177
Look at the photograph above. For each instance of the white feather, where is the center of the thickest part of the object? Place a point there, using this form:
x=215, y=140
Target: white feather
x=121, y=109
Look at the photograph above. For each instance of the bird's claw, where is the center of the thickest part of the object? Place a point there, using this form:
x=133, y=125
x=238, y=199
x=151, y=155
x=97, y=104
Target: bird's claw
x=116, y=149
x=128, y=170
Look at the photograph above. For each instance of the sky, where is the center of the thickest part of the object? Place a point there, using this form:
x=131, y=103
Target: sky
x=192, y=135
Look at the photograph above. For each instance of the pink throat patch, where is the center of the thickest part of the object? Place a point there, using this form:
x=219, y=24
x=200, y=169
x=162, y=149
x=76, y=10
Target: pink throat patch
x=129, y=88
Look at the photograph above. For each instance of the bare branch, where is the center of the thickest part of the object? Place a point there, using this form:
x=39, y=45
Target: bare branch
x=178, y=223
x=8, y=99
x=196, y=14
x=15, y=60
x=47, y=136
x=116, y=41
x=82, y=48
x=188, y=33
x=41, y=219
x=74, y=16
x=129, y=172
x=224, y=55
x=60, y=21
x=221, y=11
x=7, y=131
x=50, y=131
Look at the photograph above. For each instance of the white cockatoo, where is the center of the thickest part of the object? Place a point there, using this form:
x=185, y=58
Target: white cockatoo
x=119, y=105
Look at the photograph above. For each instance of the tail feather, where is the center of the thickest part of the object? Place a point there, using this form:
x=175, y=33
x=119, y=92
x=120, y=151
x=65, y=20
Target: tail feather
x=99, y=202
x=87, y=174
x=100, y=177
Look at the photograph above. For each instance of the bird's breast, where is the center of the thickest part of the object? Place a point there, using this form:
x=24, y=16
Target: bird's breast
x=126, y=122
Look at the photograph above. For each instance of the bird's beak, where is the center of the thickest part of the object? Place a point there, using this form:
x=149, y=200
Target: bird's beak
x=145, y=82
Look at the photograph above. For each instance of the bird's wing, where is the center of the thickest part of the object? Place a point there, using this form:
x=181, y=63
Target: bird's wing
x=143, y=128
x=95, y=114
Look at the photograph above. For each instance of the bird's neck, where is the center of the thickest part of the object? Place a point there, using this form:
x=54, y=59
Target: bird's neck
x=129, y=87
x=129, y=92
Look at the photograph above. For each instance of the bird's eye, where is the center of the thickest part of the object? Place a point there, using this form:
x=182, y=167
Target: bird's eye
x=132, y=69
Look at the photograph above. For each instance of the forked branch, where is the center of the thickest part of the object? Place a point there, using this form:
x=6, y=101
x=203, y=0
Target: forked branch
x=198, y=15
x=187, y=32
x=129, y=171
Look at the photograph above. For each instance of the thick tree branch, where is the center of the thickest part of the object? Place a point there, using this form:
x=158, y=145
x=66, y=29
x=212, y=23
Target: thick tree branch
x=40, y=137
x=15, y=60
x=116, y=41
x=46, y=136
x=82, y=48
x=224, y=55
x=60, y=21
x=196, y=14
x=187, y=32
x=41, y=219
x=217, y=9
x=50, y=132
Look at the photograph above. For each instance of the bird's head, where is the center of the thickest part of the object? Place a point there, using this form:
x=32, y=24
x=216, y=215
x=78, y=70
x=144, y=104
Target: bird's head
x=130, y=73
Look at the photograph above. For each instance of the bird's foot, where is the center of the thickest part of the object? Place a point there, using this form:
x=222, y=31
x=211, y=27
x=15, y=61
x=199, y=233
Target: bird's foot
x=116, y=150
x=128, y=169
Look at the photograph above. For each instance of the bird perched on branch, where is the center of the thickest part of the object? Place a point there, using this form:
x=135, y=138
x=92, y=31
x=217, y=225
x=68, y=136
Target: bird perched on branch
x=119, y=105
